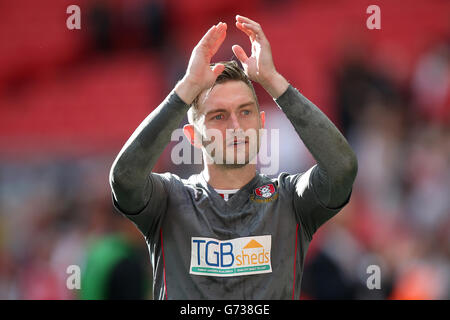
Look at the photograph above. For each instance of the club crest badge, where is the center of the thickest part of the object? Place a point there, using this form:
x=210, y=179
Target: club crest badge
x=264, y=193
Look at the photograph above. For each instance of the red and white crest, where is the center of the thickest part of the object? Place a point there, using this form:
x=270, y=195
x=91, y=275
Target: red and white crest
x=265, y=191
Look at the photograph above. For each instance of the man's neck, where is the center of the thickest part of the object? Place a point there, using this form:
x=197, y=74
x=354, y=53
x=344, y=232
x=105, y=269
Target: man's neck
x=222, y=177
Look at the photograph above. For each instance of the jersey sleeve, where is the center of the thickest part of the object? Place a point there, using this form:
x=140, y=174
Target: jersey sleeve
x=146, y=220
x=310, y=212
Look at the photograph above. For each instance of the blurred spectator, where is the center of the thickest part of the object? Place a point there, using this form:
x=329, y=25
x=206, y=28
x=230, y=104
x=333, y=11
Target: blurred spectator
x=125, y=25
x=100, y=26
x=431, y=84
x=358, y=86
x=114, y=267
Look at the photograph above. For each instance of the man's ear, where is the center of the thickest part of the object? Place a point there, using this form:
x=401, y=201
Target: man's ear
x=263, y=119
x=189, y=132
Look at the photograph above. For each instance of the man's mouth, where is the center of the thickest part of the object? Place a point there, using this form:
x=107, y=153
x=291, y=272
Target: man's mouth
x=238, y=142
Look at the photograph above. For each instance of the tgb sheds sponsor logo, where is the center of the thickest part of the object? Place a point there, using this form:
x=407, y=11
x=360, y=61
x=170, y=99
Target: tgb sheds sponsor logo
x=235, y=257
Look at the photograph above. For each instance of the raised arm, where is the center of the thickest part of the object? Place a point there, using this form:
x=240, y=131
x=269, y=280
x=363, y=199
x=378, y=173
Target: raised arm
x=129, y=175
x=336, y=162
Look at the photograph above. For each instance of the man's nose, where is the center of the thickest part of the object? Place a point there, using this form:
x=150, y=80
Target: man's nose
x=234, y=122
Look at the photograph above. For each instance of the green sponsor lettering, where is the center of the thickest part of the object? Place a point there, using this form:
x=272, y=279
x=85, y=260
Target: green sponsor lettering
x=230, y=270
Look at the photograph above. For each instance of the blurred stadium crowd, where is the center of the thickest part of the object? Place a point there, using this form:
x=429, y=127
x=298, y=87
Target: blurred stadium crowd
x=69, y=99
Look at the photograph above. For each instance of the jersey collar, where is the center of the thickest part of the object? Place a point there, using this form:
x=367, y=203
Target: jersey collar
x=238, y=199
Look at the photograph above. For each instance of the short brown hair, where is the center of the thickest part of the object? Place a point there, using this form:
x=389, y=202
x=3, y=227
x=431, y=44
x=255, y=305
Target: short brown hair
x=232, y=72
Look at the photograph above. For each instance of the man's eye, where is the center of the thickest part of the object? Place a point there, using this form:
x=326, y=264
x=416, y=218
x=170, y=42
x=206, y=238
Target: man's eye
x=246, y=112
x=218, y=117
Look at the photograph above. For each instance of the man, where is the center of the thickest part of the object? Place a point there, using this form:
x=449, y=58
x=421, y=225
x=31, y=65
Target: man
x=253, y=244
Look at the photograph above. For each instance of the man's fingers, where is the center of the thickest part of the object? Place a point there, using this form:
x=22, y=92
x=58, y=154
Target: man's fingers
x=243, y=19
x=251, y=28
x=239, y=53
x=208, y=35
x=247, y=31
x=218, y=40
x=218, y=69
x=213, y=34
x=257, y=31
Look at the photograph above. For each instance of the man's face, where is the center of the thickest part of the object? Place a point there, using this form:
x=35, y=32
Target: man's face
x=229, y=113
